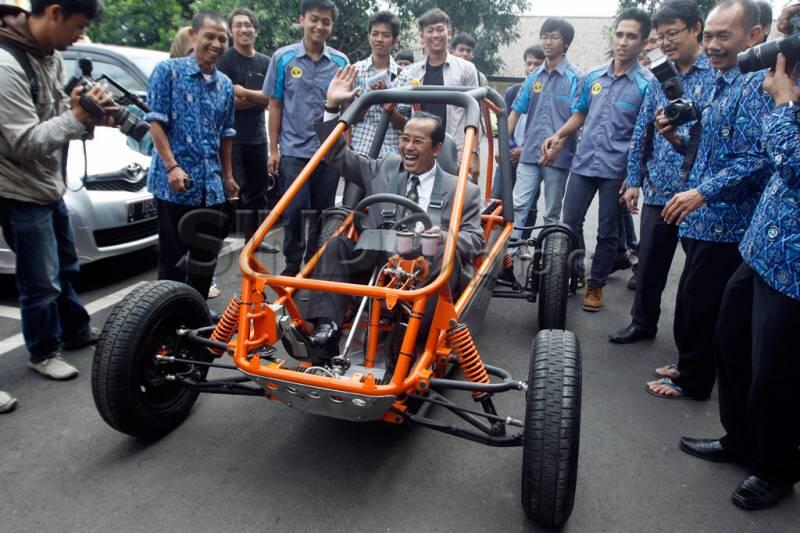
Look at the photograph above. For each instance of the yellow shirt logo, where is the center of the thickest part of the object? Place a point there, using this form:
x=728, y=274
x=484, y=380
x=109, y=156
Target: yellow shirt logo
x=537, y=87
x=596, y=88
x=296, y=72
x=416, y=83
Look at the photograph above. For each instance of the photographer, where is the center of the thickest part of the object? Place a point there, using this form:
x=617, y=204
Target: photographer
x=654, y=166
x=724, y=185
x=37, y=119
x=757, y=363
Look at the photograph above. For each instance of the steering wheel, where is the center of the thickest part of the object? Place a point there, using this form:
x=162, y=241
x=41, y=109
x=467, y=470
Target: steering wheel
x=417, y=213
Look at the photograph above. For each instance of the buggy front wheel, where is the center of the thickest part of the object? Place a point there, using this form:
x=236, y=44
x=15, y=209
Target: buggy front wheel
x=552, y=428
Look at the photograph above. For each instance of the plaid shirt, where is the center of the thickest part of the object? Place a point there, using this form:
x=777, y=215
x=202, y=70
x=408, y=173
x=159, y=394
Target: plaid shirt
x=364, y=131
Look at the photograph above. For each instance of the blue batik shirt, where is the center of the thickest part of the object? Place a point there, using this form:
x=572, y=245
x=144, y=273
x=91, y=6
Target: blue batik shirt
x=664, y=163
x=611, y=104
x=771, y=245
x=546, y=99
x=731, y=167
x=197, y=113
x=301, y=84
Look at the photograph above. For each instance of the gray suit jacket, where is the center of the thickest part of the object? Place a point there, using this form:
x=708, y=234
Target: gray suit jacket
x=376, y=176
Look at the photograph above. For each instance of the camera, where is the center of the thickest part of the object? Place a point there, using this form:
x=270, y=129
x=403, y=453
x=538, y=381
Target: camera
x=766, y=55
x=679, y=111
x=128, y=123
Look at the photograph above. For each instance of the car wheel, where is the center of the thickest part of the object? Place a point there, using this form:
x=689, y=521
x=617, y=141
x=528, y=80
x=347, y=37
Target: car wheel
x=130, y=387
x=552, y=428
x=554, y=282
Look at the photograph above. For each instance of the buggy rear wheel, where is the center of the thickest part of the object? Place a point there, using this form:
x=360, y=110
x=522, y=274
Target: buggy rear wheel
x=554, y=282
x=130, y=387
x=552, y=428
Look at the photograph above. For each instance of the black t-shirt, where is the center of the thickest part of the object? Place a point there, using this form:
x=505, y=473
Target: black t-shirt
x=435, y=76
x=249, y=72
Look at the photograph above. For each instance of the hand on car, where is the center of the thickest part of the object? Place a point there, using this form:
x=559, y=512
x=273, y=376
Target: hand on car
x=177, y=179
x=780, y=85
x=681, y=205
x=341, y=88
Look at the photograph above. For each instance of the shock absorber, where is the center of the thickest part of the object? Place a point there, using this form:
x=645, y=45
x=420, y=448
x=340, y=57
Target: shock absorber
x=460, y=341
x=227, y=324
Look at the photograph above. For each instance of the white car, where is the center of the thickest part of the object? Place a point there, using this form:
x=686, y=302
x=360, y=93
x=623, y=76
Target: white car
x=109, y=206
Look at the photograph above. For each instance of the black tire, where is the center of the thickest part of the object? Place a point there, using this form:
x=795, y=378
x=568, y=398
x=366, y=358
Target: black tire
x=330, y=223
x=554, y=282
x=552, y=428
x=129, y=387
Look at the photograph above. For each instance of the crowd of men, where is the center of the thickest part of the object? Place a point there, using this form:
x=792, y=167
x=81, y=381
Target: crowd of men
x=723, y=183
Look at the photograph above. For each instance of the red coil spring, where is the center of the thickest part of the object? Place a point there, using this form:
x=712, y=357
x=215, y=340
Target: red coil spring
x=508, y=263
x=227, y=325
x=460, y=340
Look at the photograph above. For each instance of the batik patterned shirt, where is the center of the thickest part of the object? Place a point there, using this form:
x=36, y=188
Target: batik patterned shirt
x=771, y=245
x=664, y=164
x=732, y=167
x=196, y=113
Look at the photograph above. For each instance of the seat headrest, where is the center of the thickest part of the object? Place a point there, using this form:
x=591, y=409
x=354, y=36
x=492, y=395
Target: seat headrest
x=448, y=159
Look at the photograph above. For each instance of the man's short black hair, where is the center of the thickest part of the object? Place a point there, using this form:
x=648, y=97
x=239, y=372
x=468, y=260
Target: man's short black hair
x=404, y=54
x=431, y=17
x=640, y=16
x=765, y=8
x=535, y=51
x=687, y=11
x=463, y=38
x=560, y=25
x=322, y=5
x=92, y=9
x=751, y=14
x=437, y=135
x=385, y=17
x=200, y=17
x=243, y=11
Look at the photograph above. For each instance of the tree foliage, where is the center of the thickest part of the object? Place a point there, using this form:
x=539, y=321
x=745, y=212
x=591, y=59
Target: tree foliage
x=139, y=23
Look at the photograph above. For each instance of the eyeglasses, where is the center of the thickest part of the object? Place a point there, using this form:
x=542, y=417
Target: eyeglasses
x=243, y=25
x=550, y=37
x=670, y=35
x=416, y=141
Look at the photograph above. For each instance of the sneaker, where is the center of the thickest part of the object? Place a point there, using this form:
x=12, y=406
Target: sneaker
x=632, y=283
x=86, y=340
x=525, y=253
x=593, y=301
x=213, y=291
x=268, y=248
x=7, y=402
x=55, y=368
x=622, y=262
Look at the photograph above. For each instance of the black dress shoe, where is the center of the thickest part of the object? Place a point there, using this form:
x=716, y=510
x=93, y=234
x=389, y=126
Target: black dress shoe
x=708, y=449
x=268, y=248
x=754, y=493
x=325, y=340
x=631, y=334
x=91, y=337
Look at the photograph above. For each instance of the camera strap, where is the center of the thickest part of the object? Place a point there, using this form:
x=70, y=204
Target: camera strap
x=24, y=62
x=695, y=133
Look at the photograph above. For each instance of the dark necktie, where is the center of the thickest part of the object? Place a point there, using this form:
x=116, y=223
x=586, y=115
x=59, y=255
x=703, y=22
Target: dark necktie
x=413, y=192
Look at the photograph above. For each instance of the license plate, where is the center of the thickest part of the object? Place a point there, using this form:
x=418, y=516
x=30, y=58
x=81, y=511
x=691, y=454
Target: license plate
x=142, y=210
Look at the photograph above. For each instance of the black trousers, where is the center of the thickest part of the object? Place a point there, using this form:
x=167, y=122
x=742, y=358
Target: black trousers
x=256, y=191
x=708, y=267
x=339, y=262
x=758, y=366
x=657, y=242
x=202, y=247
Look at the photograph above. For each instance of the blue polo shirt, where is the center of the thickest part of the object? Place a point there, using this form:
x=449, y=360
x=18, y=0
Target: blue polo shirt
x=612, y=104
x=546, y=97
x=664, y=163
x=197, y=113
x=771, y=245
x=301, y=84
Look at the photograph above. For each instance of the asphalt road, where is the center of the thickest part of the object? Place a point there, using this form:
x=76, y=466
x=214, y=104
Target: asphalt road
x=243, y=464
